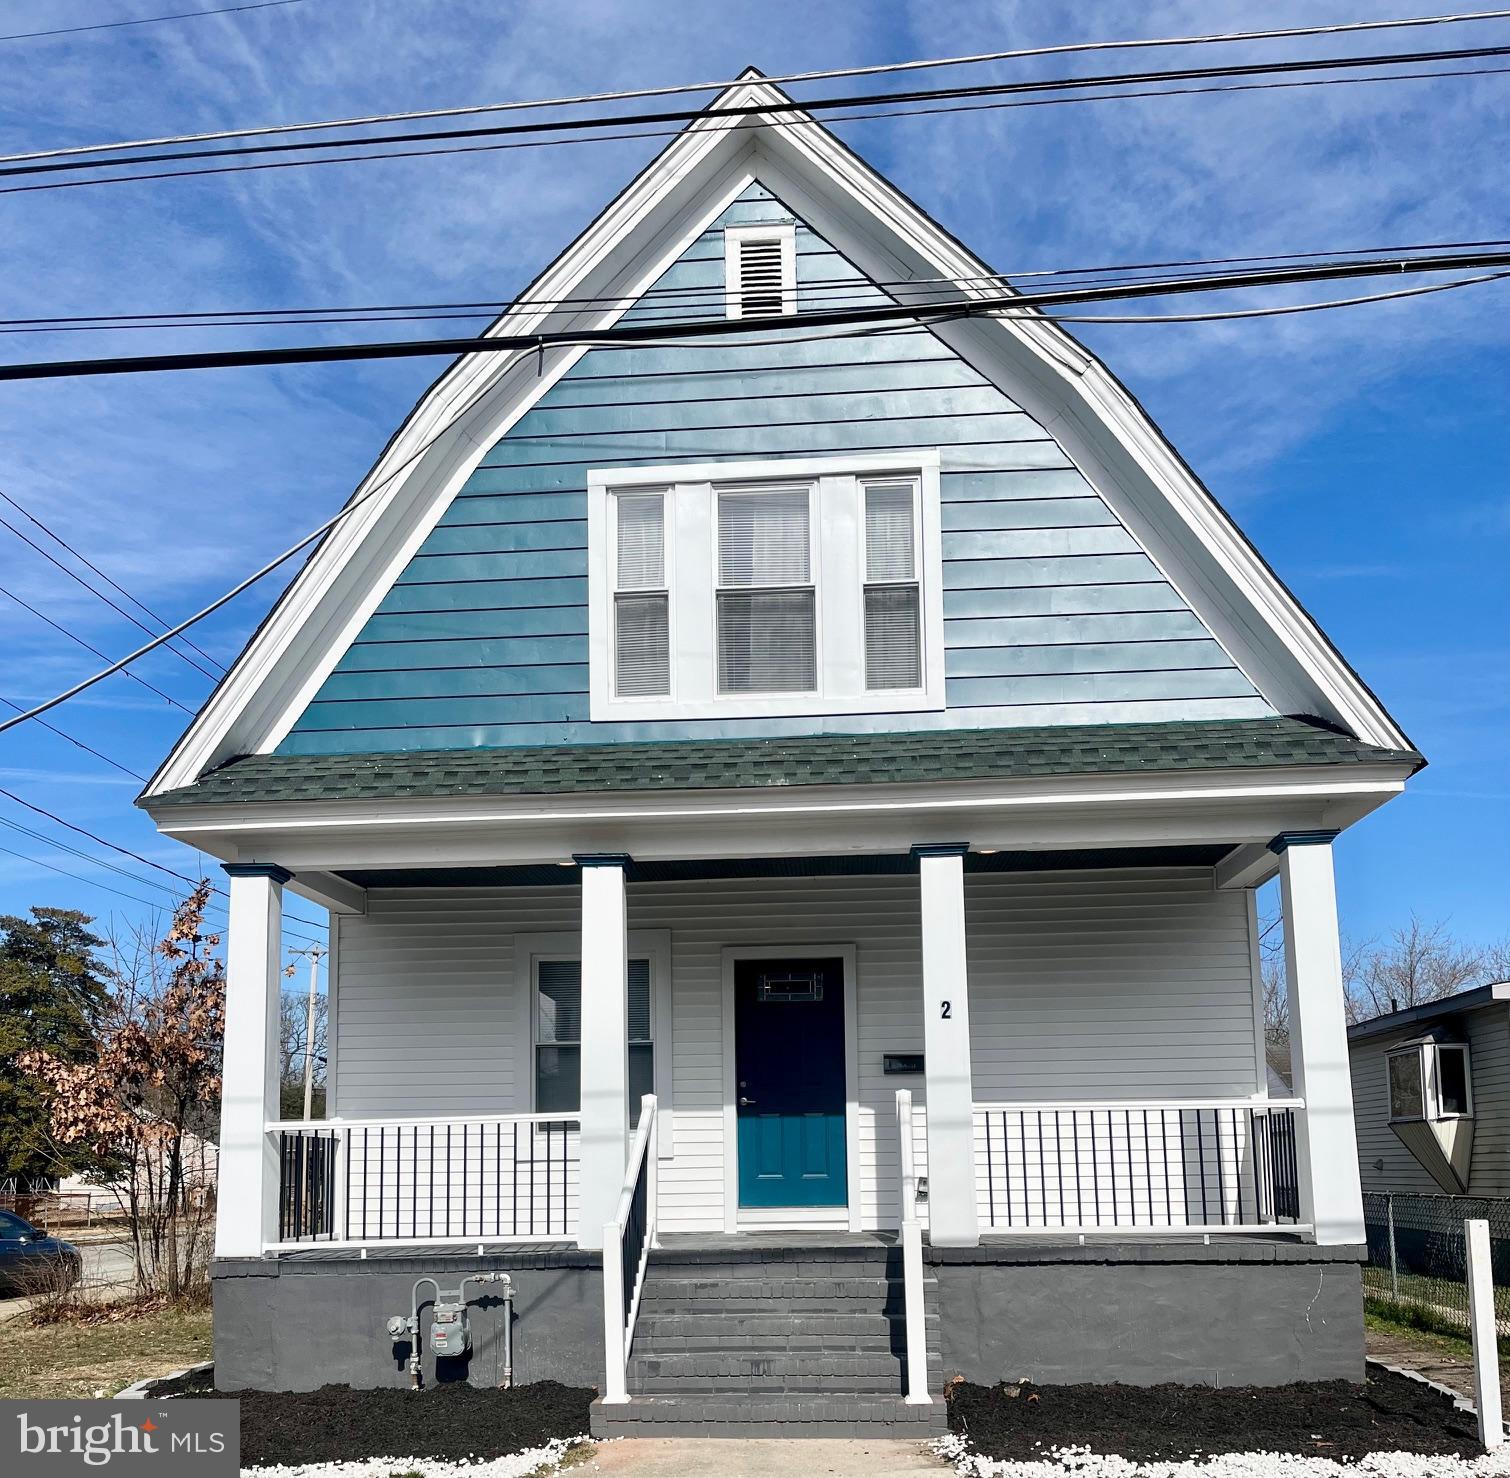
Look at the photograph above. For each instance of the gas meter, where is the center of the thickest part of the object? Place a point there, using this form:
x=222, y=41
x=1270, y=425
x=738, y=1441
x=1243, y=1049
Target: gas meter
x=450, y=1325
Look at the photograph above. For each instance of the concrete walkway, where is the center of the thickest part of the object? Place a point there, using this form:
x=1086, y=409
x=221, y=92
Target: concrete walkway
x=692, y=1457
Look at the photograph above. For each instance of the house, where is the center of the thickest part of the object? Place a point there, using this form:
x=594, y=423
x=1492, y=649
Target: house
x=1431, y=1096
x=790, y=800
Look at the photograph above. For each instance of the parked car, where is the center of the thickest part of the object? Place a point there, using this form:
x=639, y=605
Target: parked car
x=30, y=1260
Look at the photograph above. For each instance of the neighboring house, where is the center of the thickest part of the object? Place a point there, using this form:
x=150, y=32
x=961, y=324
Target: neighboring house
x=1431, y=1095
x=769, y=723
x=199, y=1163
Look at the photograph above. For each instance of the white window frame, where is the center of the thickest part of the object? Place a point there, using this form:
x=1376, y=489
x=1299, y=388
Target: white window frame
x=643, y=944
x=838, y=535
x=1429, y=1056
x=786, y=235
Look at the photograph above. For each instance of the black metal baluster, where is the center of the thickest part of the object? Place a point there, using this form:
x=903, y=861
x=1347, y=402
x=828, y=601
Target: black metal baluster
x=1059, y=1164
x=1200, y=1152
x=1043, y=1174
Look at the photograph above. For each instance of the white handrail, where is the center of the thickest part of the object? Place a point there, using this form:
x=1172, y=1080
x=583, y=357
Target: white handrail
x=618, y=1326
x=912, y=1261
x=437, y=1120
x=1065, y=1105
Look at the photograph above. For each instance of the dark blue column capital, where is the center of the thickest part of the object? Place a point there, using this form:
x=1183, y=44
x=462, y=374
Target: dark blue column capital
x=1288, y=839
x=940, y=849
x=601, y=859
x=257, y=870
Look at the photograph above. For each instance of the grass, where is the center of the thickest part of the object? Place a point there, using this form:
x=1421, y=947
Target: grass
x=102, y=1354
x=1420, y=1325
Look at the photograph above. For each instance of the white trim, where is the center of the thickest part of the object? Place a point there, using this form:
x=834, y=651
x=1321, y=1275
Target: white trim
x=1256, y=975
x=644, y=944
x=1100, y=426
x=784, y=233
x=735, y=1216
x=1131, y=1105
x=837, y=523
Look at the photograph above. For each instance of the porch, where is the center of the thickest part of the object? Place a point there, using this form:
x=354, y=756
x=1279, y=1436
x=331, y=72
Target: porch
x=1083, y=1060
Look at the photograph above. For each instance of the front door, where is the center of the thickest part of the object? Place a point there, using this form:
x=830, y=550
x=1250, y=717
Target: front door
x=789, y=1077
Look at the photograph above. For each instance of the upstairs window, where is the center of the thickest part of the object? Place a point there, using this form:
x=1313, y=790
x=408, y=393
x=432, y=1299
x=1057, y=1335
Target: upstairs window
x=777, y=588
x=760, y=271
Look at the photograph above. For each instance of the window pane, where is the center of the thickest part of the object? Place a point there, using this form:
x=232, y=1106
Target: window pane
x=1452, y=1080
x=639, y=1001
x=641, y=1079
x=767, y=642
x=893, y=637
x=642, y=552
x=558, y=1080
x=558, y=998
x=889, y=551
x=1405, y=1085
x=641, y=646
x=763, y=538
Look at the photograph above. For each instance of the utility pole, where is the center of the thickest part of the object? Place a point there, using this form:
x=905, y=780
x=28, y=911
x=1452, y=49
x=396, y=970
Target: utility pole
x=315, y=953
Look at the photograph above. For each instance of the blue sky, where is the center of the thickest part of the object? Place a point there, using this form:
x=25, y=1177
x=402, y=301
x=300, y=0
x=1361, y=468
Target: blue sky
x=1365, y=451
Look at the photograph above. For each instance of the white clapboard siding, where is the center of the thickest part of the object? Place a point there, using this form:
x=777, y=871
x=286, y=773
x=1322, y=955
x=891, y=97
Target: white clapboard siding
x=1083, y=985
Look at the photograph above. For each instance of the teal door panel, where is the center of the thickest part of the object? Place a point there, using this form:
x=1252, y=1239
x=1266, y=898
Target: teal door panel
x=789, y=1071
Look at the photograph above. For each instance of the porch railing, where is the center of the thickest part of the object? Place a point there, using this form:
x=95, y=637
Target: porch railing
x=1209, y=1165
x=910, y=1234
x=627, y=1241
x=356, y=1182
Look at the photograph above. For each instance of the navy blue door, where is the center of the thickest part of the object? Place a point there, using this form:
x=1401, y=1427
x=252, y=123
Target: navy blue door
x=789, y=1071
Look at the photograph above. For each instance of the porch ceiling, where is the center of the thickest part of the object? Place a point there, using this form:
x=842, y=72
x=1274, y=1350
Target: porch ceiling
x=826, y=760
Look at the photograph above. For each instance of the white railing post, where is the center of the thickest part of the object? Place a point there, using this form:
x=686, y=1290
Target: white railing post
x=649, y=1106
x=246, y=1209
x=1481, y=1321
x=618, y=1325
x=615, y=1386
x=912, y=1261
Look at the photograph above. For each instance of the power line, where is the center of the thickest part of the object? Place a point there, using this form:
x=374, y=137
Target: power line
x=662, y=331
x=79, y=878
x=988, y=306
x=895, y=112
x=807, y=106
x=88, y=564
x=100, y=594
x=78, y=743
x=828, y=74
x=90, y=647
x=697, y=296
x=146, y=20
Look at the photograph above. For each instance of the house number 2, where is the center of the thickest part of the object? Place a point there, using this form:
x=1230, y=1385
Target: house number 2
x=945, y=1007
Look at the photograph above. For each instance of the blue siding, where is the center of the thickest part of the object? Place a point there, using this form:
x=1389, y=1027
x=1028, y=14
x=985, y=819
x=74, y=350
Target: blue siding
x=1052, y=611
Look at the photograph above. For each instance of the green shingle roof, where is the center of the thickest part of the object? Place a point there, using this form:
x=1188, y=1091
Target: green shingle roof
x=828, y=759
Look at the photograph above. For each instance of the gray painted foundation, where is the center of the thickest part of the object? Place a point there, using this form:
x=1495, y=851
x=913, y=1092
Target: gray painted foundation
x=1259, y=1314
x=1233, y=1313
x=313, y=1320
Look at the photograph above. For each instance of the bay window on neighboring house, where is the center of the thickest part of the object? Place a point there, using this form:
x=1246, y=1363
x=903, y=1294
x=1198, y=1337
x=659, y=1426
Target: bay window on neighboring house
x=1429, y=1080
x=779, y=588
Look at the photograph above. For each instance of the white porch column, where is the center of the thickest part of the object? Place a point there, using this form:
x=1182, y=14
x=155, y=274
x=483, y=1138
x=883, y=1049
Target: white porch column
x=605, y=1043
x=1331, y=1197
x=952, y=1219
x=246, y=1208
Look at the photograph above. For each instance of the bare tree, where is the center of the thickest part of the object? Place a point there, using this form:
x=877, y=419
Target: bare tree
x=293, y=1023
x=143, y=1104
x=1416, y=963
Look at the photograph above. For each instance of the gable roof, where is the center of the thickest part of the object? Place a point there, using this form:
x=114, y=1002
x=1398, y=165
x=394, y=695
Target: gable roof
x=1097, y=422
x=732, y=764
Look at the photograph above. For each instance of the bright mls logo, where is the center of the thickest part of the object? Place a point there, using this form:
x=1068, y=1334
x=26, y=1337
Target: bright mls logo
x=124, y=1438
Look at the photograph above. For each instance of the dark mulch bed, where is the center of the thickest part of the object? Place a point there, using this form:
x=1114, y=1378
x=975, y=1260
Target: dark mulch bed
x=337, y=1424
x=1335, y=1419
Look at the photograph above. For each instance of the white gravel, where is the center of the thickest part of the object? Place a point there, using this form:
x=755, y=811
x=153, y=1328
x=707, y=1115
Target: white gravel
x=1081, y=1462
x=514, y=1465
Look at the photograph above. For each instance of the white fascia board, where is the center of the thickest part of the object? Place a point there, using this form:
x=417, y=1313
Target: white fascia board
x=1101, y=427
x=818, y=820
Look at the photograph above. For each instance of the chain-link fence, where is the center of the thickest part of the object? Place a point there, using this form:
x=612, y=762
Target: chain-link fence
x=1418, y=1259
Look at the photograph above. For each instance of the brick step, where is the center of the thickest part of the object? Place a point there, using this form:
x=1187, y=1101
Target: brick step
x=767, y=1324
x=721, y=1267
x=751, y=1366
x=737, y=1387
x=659, y=1285
x=793, y=1415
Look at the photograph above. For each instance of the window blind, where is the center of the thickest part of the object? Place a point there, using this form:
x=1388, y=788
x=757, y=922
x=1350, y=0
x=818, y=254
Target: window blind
x=642, y=621
x=558, y=1036
x=767, y=607
x=893, y=606
x=760, y=285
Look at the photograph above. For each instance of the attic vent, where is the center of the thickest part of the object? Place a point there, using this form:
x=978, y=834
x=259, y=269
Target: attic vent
x=760, y=270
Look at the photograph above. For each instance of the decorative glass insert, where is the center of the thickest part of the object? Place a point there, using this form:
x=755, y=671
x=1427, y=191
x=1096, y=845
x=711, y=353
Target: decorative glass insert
x=799, y=987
